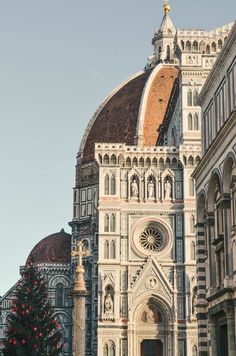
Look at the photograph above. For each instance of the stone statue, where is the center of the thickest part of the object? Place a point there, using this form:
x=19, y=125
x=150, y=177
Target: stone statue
x=168, y=189
x=108, y=305
x=151, y=192
x=134, y=188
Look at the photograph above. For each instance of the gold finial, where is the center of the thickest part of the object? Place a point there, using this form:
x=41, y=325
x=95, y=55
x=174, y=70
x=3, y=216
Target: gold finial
x=166, y=7
x=79, y=279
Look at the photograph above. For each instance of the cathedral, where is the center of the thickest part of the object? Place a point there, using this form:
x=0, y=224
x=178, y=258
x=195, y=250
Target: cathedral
x=134, y=210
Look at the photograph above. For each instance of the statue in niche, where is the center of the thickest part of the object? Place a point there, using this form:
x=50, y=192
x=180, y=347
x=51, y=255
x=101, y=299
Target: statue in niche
x=168, y=189
x=108, y=304
x=151, y=191
x=134, y=188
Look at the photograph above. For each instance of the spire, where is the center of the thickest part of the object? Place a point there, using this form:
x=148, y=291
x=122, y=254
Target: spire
x=166, y=7
x=166, y=24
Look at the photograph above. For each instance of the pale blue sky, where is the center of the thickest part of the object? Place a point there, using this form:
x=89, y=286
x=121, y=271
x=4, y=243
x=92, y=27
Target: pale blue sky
x=58, y=60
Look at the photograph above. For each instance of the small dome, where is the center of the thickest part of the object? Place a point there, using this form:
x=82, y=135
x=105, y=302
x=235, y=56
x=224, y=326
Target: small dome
x=55, y=248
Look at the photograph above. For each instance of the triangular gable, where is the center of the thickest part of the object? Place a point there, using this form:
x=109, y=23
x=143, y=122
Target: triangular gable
x=152, y=278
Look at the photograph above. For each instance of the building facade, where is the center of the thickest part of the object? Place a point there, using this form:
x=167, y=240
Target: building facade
x=216, y=215
x=134, y=201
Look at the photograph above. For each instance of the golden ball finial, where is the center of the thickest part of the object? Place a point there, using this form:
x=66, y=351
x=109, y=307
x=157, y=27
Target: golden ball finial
x=166, y=7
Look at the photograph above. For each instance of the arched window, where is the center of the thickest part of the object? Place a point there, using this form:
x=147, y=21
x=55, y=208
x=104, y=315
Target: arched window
x=106, y=223
x=191, y=187
x=135, y=162
x=192, y=224
x=113, y=249
x=195, y=96
x=128, y=162
x=213, y=47
x=182, y=45
x=113, y=159
x=188, y=46
x=220, y=44
x=202, y=47
x=154, y=162
x=168, y=53
x=190, y=98
x=105, y=350
x=208, y=49
x=190, y=161
x=148, y=162
x=106, y=249
x=113, y=223
x=59, y=295
x=195, y=46
x=113, y=184
x=106, y=159
x=106, y=184
x=190, y=122
x=112, y=350
x=196, y=122
x=193, y=251
x=141, y=162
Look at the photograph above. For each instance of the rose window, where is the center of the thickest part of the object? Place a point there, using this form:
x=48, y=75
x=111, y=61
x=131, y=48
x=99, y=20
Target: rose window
x=151, y=239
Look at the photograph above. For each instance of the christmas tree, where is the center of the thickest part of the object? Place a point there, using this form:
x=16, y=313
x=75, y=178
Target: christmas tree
x=32, y=330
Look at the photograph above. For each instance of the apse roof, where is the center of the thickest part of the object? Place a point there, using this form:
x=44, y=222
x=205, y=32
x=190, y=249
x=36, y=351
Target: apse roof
x=55, y=248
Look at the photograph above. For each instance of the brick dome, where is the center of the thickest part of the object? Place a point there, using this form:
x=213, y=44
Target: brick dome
x=133, y=112
x=55, y=248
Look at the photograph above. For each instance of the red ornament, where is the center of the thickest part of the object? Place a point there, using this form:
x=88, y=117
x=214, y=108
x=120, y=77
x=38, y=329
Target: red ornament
x=23, y=341
x=27, y=311
x=35, y=328
x=23, y=306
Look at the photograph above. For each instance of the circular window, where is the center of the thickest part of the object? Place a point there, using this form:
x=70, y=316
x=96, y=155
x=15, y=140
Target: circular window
x=151, y=239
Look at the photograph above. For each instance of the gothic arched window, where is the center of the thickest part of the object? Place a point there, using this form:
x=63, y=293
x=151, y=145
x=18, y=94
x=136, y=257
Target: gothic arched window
x=168, y=53
x=106, y=249
x=190, y=98
x=220, y=44
x=106, y=184
x=106, y=159
x=106, y=223
x=112, y=350
x=188, y=46
x=208, y=49
x=113, y=223
x=105, y=350
x=113, y=159
x=113, y=185
x=195, y=46
x=190, y=122
x=59, y=295
x=196, y=122
x=113, y=249
x=195, y=96
x=213, y=47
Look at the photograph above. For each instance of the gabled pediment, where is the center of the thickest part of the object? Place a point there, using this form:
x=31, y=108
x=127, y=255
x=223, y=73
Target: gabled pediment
x=153, y=279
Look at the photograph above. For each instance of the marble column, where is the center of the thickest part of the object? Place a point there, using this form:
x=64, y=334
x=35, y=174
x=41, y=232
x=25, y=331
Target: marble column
x=79, y=324
x=79, y=294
